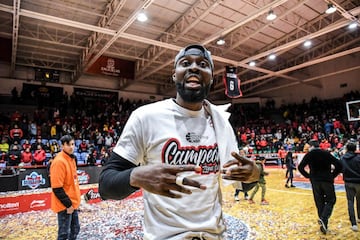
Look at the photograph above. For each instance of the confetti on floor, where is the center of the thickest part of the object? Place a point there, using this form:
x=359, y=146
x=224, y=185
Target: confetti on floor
x=290, y=215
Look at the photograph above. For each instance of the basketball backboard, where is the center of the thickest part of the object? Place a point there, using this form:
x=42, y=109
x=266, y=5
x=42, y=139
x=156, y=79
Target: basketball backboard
x=353, y=110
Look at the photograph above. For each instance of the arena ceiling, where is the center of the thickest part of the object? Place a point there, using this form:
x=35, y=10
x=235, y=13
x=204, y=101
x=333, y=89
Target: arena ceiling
x=71, y=35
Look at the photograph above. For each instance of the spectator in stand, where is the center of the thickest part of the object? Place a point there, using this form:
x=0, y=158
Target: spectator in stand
x=36, y=145
x=45, y=131
x=328, y=127
x=27, y=157
x=277, y=144
x=263, y=145
x=24, y=125
x=54, y=147
x=39, y=156
x=325, y=145
x=15, y=143
x=99, y=139
x=14, y=156
x=16, y=117
x=16, y=133
x=91, y=159
x=26, y=144
x=337, y=126
x=4, y=146
x=83, y=146
x=32, y=129
x=281, y=155
x=351, y=173
x=288, y=146
x=53, y=133
x=108, y=141
x=47, y=147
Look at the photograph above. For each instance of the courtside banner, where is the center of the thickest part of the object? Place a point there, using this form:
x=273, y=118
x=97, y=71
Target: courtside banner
x=113, y=67
x=25, y=201
x=232, y=83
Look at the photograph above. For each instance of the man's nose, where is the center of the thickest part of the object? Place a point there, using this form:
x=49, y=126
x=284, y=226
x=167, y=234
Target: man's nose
x=194, y=66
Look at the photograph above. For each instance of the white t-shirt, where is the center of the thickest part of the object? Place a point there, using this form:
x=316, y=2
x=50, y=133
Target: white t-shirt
x=165, y=133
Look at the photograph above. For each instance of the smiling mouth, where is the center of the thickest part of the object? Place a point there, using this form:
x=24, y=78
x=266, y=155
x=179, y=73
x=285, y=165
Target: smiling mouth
x=193, y=82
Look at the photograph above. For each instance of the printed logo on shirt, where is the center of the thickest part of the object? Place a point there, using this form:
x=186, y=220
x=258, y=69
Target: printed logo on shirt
x=205, y=156
x=193, y=137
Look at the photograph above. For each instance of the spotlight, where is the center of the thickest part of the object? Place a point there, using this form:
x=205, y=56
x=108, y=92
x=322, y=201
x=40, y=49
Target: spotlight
x=142, y=17
x=220, y=42
x=307, y=43
x=353, y=25
x=272, y=56
x=271, y=15
x=252, y=63
x=331, y=8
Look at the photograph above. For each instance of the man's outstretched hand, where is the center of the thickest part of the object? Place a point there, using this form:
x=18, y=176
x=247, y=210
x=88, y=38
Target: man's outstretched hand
x=241, y=169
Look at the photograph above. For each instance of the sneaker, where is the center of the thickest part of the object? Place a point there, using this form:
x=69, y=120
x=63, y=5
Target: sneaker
x=236, y=198
x=251, y=201
x=323, y=227
x=292, y=186
x=355, y=228
x=264, y=202
x=246, y=198
x=287, y=186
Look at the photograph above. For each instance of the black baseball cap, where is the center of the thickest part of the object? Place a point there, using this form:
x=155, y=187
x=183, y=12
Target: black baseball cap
x=191, y=50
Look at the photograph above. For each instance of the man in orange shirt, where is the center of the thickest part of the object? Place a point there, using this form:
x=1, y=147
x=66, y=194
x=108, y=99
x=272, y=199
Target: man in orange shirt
x=65, y=196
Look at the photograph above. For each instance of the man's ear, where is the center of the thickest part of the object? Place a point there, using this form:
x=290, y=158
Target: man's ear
x=174, y=77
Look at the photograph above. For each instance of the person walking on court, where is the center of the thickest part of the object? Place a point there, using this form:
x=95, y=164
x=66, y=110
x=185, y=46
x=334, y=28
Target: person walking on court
x=261, y=183
x=65, y=195
x=351, y=174
x=324, y=167
x=290, y=167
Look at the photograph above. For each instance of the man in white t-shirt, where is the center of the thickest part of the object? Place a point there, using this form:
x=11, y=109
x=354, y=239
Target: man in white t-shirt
x=177, y=150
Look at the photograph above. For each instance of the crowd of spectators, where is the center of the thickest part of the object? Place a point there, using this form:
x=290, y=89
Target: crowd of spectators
x=32, y=139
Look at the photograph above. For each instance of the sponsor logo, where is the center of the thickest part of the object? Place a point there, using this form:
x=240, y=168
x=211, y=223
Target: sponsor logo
x=9, y=206
x=37, y=203
x=33, y=180
x=110, y=68
x=83, y=177
x=91, y=195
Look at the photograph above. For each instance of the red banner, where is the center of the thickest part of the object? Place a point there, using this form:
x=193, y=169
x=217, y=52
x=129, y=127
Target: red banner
x=42, y=201
x=113, y=67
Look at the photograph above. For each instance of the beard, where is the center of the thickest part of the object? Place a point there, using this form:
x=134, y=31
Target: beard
x=191, y=95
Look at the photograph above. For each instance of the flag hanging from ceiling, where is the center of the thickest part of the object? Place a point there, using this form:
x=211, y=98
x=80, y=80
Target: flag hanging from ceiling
x=232, y=83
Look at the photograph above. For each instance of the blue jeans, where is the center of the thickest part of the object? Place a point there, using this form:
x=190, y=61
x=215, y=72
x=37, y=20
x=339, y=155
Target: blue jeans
x=69, y=226
x=353, y=193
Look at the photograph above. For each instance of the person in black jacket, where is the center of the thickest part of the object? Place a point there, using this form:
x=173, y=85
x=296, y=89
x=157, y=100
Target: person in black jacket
x=324, y=167
x=290, y=166
x=351, y=174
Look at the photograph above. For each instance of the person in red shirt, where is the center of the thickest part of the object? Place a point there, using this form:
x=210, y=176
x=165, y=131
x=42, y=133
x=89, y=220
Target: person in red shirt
x=26, y=157
x=16, y=133
x=39, y=156
x=282, y=154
